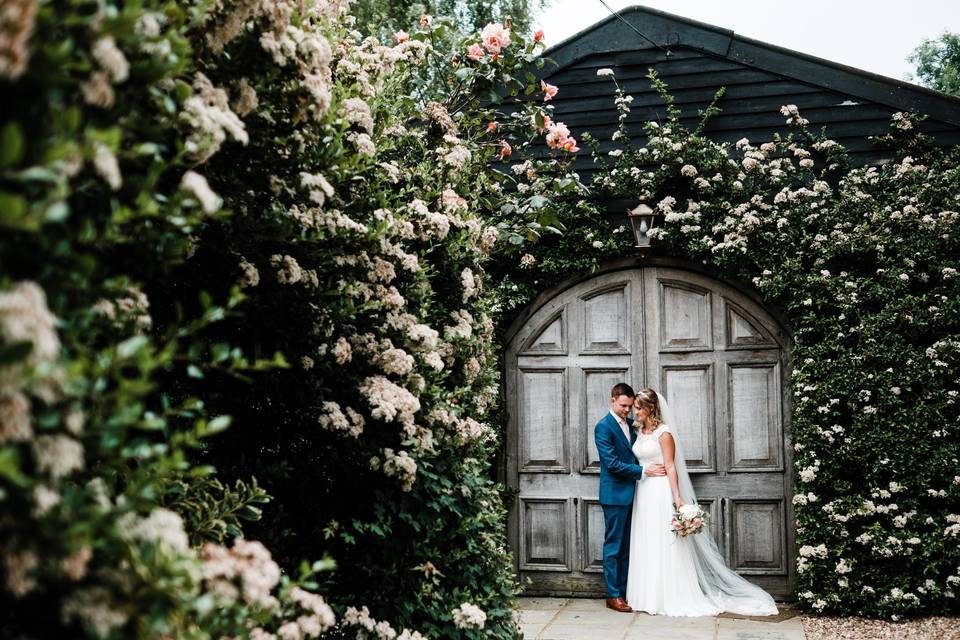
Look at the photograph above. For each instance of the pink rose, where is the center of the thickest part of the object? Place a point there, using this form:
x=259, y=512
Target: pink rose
x=557, y=134
x=426, y=20
x=570, y=145
x=549, y=90
x=475, y=52
x=491, y=127
x=538, y=35
x=495, y=36
x=401, y=36
x=505, y=149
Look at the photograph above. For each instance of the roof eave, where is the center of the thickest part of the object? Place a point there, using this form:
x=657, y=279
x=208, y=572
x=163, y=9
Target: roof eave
x=668, y=30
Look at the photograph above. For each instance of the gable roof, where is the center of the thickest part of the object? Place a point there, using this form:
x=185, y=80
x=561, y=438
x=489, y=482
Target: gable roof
x=696, y=59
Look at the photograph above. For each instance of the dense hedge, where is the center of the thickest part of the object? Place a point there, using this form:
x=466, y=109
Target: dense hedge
x=249, y=213
x=863, y=264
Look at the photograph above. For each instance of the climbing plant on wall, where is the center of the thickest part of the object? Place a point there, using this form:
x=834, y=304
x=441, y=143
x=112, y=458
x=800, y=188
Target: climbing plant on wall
x=862, y=264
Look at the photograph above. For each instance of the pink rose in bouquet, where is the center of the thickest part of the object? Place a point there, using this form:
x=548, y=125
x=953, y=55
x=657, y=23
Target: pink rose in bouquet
x=687, y=520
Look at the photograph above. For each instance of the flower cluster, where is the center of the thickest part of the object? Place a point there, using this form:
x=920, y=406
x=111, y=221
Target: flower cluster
x=469, y=616
x=246, y=571
x=365, y=627
x=493, y=39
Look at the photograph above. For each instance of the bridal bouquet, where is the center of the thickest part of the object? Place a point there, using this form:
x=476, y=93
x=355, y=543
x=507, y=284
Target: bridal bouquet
x=687, y=520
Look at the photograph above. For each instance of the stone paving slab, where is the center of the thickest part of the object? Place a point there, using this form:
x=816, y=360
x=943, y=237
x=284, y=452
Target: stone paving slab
x=791, y=629
x=589, y=619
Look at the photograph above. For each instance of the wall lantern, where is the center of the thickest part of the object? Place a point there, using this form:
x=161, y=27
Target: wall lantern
x=641, y=221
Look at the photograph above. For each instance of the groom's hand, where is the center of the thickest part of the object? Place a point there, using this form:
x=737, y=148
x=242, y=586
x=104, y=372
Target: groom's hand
x=654, y=470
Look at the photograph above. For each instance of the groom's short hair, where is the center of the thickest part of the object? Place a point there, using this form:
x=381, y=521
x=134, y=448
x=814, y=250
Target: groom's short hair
x=622, y=389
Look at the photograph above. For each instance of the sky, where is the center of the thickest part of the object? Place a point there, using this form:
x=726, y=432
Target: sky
x=874, y=35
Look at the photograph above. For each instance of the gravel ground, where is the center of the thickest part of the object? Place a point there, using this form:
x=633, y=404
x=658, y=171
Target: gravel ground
x=826, y=628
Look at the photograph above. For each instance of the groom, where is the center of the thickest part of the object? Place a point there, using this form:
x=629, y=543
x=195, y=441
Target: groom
x=619, y=473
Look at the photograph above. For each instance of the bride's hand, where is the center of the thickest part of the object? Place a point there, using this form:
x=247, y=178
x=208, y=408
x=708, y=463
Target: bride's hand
x=678, y=502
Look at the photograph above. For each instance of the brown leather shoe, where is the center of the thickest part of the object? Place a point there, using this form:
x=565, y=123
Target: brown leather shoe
x=618, y=604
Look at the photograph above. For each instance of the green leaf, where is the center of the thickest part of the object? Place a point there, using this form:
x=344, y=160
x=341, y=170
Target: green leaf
x=217, y=425
x=327, y=564
x=14, y=212
x=220, y=351
x=11, y=144
x=57, y=212
x=10, y=467
x=39, y=174
x=146, y=149
x=131, y=346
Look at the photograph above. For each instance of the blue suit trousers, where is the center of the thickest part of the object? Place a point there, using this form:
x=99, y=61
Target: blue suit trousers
x=616, y=548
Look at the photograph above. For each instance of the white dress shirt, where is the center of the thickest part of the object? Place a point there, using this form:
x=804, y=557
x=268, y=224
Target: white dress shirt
x=623, y=425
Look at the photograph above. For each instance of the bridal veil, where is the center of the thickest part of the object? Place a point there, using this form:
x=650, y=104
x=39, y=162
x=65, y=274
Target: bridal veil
x=727, y=589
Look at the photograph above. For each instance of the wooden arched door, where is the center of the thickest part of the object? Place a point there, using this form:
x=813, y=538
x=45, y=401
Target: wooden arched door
x=719, y=358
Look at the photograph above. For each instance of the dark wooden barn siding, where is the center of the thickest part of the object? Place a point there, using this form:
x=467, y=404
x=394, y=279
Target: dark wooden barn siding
x=750, y=106
x=758, y=78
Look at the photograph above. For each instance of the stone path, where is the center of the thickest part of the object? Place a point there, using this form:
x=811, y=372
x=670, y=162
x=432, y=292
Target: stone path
x=576, y=619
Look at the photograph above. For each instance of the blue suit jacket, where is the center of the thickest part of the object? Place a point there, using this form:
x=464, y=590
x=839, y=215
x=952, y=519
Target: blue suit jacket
x=619, y=470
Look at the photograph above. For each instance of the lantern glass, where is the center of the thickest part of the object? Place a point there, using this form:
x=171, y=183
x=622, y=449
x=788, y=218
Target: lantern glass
x=641, y=221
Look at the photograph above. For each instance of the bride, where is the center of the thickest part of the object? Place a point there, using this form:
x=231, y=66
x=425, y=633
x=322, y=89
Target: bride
x=670, y=575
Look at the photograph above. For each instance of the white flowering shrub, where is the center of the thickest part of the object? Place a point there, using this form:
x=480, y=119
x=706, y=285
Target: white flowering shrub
x=247, y=215
x=110, y=527
x=862, y=262
x=364, y=218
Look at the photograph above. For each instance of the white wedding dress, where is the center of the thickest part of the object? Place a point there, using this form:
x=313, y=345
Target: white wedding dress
x=676, y=576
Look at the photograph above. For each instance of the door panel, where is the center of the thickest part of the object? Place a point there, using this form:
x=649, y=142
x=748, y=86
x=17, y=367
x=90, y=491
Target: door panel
x=689, y=390
x=543, y=422
x=605, y=326
x=744, y=332
x=552, y=339
x=758, y=536
x=592, y=536
x=546, y=543
x=685, y=317
x=755, y=440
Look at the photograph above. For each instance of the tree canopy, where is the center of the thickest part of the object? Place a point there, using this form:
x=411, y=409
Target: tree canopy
x=937, y=62
x=380, y=17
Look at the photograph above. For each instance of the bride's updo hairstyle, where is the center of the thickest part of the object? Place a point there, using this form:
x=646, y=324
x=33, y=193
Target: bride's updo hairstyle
x=647, y=399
